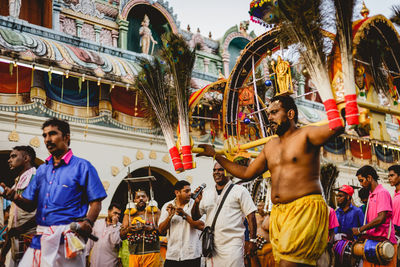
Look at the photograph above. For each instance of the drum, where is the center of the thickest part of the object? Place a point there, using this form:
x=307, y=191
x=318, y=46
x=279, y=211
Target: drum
x=343, y=252
x=378, y=252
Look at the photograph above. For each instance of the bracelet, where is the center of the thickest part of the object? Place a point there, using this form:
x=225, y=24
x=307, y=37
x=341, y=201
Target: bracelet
x=214, y=156
x=89, y=221
x=253, y=240
x=358, y=229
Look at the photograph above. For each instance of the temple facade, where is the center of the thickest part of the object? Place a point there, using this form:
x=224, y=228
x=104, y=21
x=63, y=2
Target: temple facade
x=77, y=60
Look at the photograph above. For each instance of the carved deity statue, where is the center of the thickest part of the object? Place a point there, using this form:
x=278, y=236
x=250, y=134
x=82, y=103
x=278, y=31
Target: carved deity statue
x=14, y=8
x=146, y=36
x=244, y=26
x=284, y=77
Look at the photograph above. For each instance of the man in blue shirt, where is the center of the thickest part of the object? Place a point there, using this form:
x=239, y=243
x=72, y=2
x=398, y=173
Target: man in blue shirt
x=348, y=215
x=65, y=189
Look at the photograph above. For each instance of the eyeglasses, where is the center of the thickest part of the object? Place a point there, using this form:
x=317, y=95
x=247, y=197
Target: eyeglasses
x=218, y=170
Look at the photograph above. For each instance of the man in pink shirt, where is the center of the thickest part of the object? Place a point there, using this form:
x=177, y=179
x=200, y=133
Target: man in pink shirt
x=394, y=179
x=379, y=211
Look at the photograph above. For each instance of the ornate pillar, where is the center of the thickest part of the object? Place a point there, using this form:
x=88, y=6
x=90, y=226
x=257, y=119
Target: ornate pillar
x=38, y=94
x=97, y=30
x=123, y=33
x=302, y=83
x=79, y=24
x=206, y=64
x=105, y=107
x=225, y=61
x=114, y=36
x=56, y=15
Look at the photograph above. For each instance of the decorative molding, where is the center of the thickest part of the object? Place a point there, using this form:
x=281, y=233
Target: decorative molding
x=166, y=158
x=114, y=171
x=35, y=142
x=153, y=155
x=189, y=178
x=87, y=7
x=139, y=155
x=13, y=136
x=126, y=160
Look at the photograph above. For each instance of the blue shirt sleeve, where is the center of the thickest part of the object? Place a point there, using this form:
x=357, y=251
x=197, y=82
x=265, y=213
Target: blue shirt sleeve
x=94, y=187
x=30, y=191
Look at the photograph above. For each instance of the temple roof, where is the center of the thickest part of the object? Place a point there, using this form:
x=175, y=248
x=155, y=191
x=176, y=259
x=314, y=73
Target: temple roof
x=31, y=49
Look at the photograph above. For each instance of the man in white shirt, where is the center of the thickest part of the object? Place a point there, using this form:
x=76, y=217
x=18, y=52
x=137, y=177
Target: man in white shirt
x=229, y=227
x=104, y=252
x=184, y=246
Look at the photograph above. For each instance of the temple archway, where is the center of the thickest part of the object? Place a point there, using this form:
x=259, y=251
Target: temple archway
x=162, y=187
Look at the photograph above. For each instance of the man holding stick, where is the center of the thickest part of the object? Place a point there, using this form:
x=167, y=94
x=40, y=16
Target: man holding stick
x=300, y=216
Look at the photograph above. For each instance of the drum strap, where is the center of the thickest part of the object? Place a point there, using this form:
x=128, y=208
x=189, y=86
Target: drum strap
x=365, y=220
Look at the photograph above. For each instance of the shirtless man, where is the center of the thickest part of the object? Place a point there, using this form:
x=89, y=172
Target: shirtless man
x=299, y=217
x=138, y=222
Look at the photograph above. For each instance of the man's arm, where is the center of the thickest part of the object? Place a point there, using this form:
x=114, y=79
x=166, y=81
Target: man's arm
x=23, y=203
x=16, y=231
x=93, y=212
x=166, y=223
x=256, y=167
x=196, y=224
x=251, y=246
x=372, y=224
x=319, y=135
x=196, y=206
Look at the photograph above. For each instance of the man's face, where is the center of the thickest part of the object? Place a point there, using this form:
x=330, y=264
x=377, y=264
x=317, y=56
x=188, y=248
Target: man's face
x=260, y=207
x=114, y=213
x=342, y=199
x=17, y=160
x=365, y=182
x=219, y=175
x=278, y=119
x=394, y=178
x=184, y=194
x=141, y=200
x=56, y=143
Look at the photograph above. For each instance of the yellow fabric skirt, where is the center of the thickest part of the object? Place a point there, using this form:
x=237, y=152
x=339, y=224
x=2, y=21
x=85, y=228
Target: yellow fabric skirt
x=145, y=260
x=299, y=230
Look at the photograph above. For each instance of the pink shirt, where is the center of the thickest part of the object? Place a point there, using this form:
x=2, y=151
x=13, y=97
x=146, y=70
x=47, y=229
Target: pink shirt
x=380, y=200
x=396, y=208
x=333, y=221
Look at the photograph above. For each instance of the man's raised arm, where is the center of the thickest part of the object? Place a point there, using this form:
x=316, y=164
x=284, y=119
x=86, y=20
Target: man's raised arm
x=257, y=167
x=23, y=203
x=319, y=135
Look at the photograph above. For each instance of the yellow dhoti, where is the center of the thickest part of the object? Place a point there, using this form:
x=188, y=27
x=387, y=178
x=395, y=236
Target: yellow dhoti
x=145, y=260
x=299, y=230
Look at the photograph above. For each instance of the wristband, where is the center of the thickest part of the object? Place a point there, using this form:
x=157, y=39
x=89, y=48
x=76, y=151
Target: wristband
x=253, y=240
x=89, y=221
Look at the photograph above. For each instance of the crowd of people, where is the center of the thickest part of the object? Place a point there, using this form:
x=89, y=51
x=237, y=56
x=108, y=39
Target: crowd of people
x=53, y=216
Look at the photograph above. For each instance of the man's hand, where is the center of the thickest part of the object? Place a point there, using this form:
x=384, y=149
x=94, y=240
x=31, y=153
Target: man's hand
x=208, y=151
x=8, y=193
x=85, y=229
x=171, y=210
x=13, y=232
x=181, y=212
x=250, y=249
x=199, y=197
x=356, y=231
x=114, y=219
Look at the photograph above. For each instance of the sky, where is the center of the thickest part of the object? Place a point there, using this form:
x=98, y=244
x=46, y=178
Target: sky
x=218, y=16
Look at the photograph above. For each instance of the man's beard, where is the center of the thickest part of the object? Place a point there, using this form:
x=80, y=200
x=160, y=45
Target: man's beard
x=222, y=182
x=344, y=203
x=141, y=206
x=282, y=128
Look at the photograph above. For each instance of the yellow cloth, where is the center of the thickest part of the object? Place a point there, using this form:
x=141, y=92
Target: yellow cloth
x=299, y=230
x=392, y=263
x=146, y=260
x=265, y=257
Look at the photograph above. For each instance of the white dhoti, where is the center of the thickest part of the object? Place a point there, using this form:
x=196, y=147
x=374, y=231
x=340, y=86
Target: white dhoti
x=232, y=256
x=52, y=253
